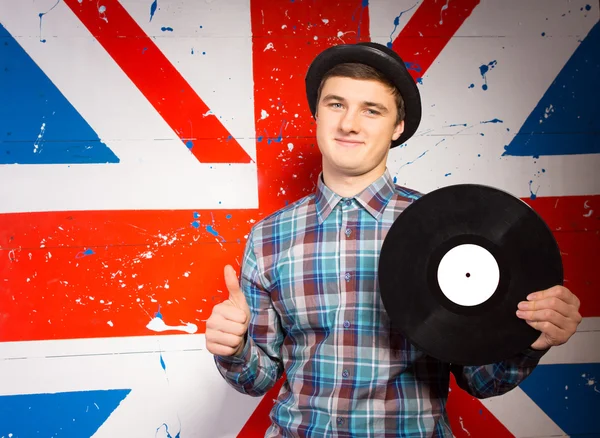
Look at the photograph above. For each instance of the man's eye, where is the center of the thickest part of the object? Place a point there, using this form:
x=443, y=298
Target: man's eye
x=336, y=105
x=373, y=112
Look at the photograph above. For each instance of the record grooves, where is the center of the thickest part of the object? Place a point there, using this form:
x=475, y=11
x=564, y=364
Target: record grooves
x=455, y=264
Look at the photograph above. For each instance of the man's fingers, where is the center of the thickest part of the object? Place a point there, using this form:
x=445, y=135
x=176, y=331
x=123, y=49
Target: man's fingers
x=220, y=350
x=549, y=303
x=231, y=280
x=226, y=311
x=226, y=326
x=225, y=339
x=236, y=296
x=546, y=315
x=550, y=330
x=559, y=292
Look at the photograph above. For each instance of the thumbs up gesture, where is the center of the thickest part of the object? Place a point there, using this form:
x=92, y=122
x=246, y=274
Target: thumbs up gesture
x=228, y=322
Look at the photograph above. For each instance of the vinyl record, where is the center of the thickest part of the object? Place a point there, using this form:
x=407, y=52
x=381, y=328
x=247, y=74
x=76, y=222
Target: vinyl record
x=455, y=264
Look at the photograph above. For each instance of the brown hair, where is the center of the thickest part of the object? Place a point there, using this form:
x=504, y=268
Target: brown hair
x=355, y=70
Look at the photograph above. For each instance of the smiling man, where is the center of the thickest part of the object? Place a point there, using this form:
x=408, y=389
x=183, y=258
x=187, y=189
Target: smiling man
x=308, y=301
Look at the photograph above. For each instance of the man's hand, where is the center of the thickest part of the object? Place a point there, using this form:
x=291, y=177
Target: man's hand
x=554, y=312
x=228, y=322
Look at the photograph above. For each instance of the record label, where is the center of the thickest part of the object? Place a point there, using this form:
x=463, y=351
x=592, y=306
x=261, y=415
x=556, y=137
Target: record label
x=468, y=275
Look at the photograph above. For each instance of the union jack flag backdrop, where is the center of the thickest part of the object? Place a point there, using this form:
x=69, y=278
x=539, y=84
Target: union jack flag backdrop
x=141, y=139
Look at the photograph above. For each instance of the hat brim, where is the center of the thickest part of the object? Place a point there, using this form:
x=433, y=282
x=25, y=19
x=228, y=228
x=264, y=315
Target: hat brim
x=394, y=69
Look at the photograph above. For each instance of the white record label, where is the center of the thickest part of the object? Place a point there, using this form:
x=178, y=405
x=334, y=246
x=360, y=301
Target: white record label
x=468, y=275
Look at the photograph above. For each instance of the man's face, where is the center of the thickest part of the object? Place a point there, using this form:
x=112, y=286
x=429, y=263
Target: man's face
x=356, y=122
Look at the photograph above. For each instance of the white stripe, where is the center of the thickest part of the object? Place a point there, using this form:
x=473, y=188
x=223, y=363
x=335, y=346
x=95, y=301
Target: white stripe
x=156, y=170
x=521, y=416
x=190, y=390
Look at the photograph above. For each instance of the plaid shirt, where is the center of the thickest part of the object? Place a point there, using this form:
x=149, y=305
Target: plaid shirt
x=310, y=278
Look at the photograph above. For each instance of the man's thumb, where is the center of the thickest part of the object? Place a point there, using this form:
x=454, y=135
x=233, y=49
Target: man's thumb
x=236, y=296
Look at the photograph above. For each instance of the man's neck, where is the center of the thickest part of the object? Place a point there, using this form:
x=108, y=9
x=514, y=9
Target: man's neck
x=348, y=186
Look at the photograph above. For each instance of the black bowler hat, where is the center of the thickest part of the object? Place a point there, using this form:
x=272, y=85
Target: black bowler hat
x=383, y=59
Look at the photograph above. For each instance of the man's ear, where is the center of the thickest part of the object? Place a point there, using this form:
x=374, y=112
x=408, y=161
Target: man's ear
x=398, y=130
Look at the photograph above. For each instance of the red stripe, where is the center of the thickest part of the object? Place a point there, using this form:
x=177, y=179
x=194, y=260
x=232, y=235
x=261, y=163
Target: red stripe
x=159, y=81
x=429, y=30
x=469, y=418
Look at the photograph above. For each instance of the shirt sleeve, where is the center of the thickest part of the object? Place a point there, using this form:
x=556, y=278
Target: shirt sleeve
x=259, y=366
x=496, y=379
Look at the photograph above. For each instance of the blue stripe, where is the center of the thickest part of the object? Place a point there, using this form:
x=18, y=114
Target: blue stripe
x=38, y=125
x=565, y=121
x=569, y=395
x=64, y=414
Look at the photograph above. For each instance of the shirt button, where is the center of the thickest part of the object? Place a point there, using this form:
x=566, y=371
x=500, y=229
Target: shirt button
x=345, y=373
x=347, y=276
x=348, y=232
x=340, y=421
x=349, y=201
x=346, y=324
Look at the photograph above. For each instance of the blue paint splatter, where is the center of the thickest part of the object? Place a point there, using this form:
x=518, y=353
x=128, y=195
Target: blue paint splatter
x=85, y=253
x=78, y=413
x=413, y=66
x=420, y=81
x=457, y=124
x=588, y=7
x=38, y=125
x=41, y=15
x=196, y=215
x=472, y=86
x=212, y=231
x=493, y=121
x=259, y=139
x=144, y=50
x=279, y=137
x=162, y=363
x=532, y=195
x=396, y=24
x=189, y=144
x=167, y=431
x=158, y=314
x=448, y=174
x=362, y=7
x=543, y=33
x=153, y=8
x=568, y=110
x=196, y=224
x=411, y=162
x=228, y=216
x=484, y=69
x=166, y=29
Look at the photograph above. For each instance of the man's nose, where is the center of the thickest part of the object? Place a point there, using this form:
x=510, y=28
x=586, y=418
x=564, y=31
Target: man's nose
x=350, y=121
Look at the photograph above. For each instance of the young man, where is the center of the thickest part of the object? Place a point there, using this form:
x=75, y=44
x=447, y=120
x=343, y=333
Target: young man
x=308, y=302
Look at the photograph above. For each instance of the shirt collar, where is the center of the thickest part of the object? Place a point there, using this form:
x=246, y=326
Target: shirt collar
x=373, y=198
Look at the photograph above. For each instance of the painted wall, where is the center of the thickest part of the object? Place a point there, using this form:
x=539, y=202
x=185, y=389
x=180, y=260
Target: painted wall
x=141, y=139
